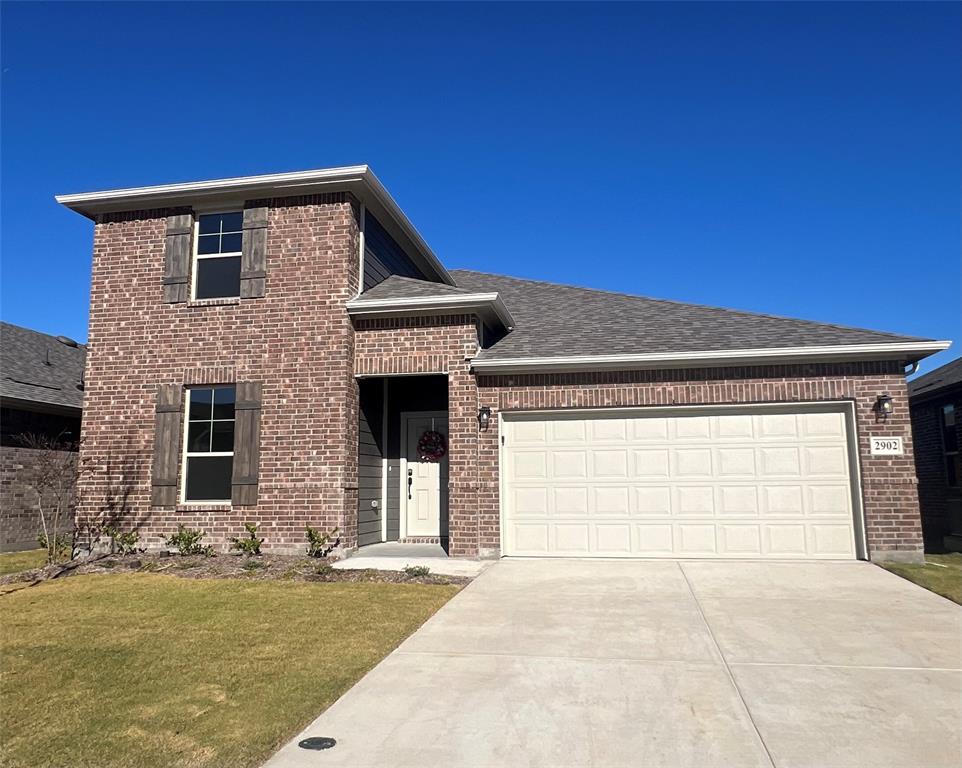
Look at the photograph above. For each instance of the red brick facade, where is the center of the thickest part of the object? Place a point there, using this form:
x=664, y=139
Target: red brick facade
x=299, y=342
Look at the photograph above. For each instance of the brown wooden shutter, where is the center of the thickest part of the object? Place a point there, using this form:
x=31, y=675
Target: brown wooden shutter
x=247, y=443
x=177, y=251
x=254, y=254
x=163, y=479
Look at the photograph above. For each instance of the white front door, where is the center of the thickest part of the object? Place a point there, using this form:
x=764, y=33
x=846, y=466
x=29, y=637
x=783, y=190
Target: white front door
x=426, y=477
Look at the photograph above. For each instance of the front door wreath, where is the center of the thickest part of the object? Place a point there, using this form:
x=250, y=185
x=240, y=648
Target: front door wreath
x=432, y=446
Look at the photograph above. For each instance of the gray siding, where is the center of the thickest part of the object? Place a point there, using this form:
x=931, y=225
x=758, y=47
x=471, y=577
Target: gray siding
x=383, y=257
x=369, y=456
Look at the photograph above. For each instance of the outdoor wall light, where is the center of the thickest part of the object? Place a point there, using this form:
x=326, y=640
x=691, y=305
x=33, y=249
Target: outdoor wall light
x=883, y=406
x=484, y=417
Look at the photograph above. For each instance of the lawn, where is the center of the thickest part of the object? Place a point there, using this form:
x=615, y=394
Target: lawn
x=941, y=574
x=154, y=670
x=13, y=562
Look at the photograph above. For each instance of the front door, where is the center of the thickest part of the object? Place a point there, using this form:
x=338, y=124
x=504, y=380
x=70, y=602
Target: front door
x=425, y=480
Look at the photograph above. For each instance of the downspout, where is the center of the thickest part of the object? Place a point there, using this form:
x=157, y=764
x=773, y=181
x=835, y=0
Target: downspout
x=913, y=367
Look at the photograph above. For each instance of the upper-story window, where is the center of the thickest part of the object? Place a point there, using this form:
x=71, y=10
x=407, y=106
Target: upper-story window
x=217, y=255
x=950, y=447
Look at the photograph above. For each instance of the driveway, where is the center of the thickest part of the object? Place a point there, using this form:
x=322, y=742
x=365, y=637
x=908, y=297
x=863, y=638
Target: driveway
x=639, y=663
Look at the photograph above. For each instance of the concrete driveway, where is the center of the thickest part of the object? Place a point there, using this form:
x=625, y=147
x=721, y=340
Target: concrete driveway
x=638, y=663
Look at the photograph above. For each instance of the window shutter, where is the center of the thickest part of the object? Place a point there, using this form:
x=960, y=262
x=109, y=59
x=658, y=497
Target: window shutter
x=247, y=439
x=254, y=254
x=177, y=251
x=163, y=479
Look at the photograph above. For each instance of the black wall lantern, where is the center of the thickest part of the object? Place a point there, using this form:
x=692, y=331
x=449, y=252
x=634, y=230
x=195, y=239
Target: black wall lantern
x=484, y=418
x=883, y=407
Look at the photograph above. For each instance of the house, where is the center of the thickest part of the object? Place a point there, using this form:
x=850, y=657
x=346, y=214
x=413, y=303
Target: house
x=287, y=349
x=41, y=394
x=935, y=400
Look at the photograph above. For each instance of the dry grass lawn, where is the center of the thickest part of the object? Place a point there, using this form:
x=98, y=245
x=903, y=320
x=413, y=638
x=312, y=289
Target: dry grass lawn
x=941, y=574
x=14, y=562
x=151, y=670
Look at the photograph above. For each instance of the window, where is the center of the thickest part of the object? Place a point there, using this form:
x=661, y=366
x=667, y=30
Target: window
x=217, y=255
x=209, y=447
x=950, y=447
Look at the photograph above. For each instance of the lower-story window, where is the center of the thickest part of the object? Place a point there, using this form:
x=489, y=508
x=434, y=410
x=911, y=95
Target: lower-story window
x=209, y=444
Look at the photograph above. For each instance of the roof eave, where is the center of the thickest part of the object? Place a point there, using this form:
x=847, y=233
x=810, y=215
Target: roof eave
x=488, y=306
x=357, y=179
x=901, y=351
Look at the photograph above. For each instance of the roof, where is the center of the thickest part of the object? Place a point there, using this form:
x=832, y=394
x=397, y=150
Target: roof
x=359, y=180
x=397, y=287
x=38, y=368
x=939, y=380
x=580, y=327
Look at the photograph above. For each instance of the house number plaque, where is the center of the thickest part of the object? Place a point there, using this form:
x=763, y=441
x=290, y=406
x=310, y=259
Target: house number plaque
x=887, y=446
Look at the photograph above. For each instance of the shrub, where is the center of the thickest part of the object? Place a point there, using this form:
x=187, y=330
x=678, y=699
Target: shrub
x=324, y=569
x=122, y=542
x=253, y=565
x=414, y=571
x=60, y=548
x=320, y=544
x=250, y=545
x=187, y=542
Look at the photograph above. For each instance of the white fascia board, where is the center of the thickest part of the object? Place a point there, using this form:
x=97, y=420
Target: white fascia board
x=487, y=303
x=358, y=179
x=714, y=358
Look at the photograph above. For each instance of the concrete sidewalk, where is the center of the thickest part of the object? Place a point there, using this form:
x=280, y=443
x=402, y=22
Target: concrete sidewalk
x=640, y=663
x=391, y=556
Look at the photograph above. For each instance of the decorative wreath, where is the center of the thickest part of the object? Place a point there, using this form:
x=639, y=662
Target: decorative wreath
x=432, y=446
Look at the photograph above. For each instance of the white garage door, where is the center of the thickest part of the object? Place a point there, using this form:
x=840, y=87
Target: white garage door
x=731, y=484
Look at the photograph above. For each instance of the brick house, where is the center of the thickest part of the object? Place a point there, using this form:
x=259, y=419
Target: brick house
x=41, y=396
x=935, y=400
x=287, y=349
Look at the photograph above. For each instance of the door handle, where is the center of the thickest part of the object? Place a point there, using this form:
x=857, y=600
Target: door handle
x=410, y=482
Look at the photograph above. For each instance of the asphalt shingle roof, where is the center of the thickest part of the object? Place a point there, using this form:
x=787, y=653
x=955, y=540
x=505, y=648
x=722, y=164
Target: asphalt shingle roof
x=397, y=287
x=40, y=368
x=947, y=376
x=561, y=321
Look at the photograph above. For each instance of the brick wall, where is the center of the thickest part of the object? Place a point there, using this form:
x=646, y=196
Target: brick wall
x=19, y=516
x=297, y=341
x=935, y=496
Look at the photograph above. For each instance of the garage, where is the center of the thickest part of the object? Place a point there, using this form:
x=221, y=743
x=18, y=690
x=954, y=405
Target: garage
x=691, y=482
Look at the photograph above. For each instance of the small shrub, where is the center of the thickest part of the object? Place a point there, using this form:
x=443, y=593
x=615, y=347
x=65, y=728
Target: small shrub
x=250, y=545
x=187, y=542
x=320, y=544
x=324, y=569
x=253, y=565
x=62, y=545
x=122, y=542
x=415, y=571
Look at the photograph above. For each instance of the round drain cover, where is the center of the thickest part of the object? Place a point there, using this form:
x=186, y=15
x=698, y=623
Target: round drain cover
x=316, y=742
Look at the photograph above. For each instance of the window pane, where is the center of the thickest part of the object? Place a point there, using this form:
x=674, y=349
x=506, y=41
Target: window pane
x=224, y=403
x=198, y=437
x=223, y=436
x=208, y=224
x=208, y=244
x=217, y=278
x=232, y=222
x=200, y=400
x=208, y=478
x=231, y=243
x=953, y=470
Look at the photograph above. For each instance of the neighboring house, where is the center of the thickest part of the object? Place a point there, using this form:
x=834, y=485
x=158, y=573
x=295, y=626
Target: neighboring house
x=936, y=403
x=41, y=394
x=286, y=349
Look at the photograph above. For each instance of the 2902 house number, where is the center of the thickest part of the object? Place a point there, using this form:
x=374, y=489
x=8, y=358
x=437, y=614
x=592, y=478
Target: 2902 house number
x=886, y=446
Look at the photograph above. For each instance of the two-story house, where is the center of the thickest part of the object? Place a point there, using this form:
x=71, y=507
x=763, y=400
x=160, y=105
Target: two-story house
x=287, y=349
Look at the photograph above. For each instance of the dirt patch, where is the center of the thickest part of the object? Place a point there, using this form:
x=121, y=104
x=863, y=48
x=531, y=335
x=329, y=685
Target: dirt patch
x=259, y=568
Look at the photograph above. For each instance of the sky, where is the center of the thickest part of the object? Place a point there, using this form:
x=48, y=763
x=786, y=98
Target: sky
x=793, y=159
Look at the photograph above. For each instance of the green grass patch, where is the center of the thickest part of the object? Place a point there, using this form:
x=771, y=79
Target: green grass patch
x=14, y=562
x=154, y=670
x=941, y=574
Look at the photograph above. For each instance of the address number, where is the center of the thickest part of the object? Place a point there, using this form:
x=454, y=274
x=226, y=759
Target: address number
x=886, y=446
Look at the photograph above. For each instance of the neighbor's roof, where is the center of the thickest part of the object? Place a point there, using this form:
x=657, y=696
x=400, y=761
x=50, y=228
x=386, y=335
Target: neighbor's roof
x=38, y=368
x=933, y=382
x=359, y=180
x=560, y=326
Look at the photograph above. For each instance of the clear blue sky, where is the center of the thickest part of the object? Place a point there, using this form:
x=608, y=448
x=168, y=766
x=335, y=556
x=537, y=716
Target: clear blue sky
x=802, y=160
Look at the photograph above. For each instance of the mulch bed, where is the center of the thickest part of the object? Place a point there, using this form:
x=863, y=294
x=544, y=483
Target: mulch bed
x=232, y=566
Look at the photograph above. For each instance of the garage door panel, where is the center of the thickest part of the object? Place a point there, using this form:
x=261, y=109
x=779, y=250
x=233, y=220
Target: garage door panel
x=743, y=484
